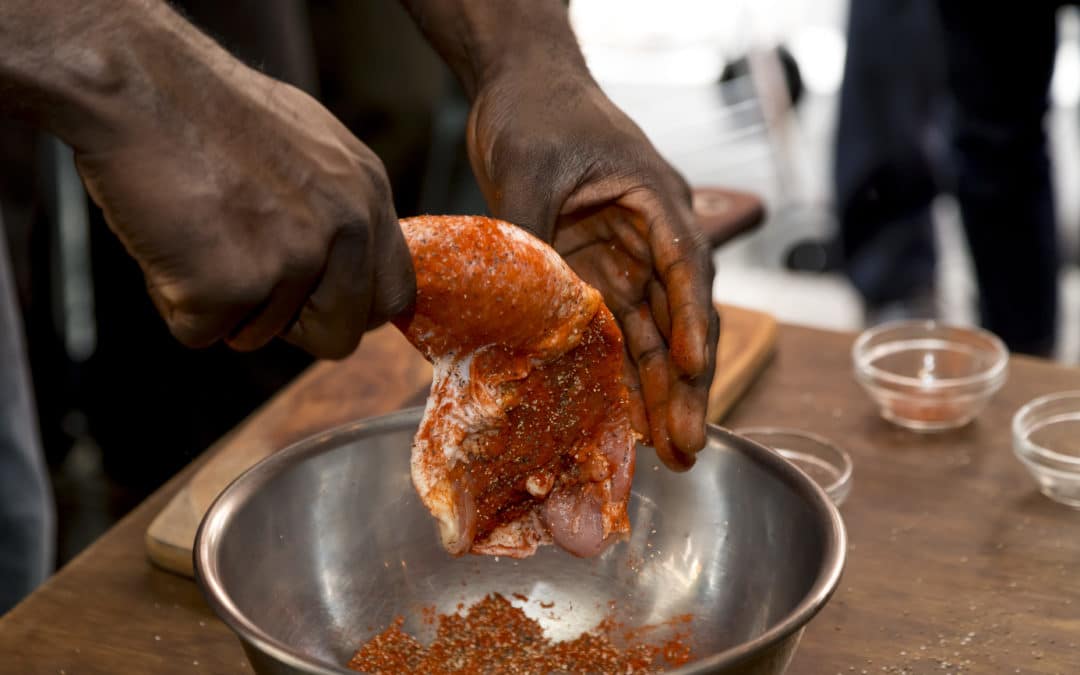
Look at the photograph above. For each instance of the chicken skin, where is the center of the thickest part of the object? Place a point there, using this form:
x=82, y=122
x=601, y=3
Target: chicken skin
x=526, y=437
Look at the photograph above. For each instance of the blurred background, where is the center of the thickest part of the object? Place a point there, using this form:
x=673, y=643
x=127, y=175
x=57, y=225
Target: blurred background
x=841, y=121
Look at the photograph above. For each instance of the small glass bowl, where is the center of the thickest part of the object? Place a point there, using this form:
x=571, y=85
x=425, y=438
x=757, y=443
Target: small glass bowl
x=1046, y=438
x=825, y=464
x=929, y=376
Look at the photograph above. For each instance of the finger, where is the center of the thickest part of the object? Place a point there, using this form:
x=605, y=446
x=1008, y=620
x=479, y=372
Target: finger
x=687, y=281
x=576, y=233
x=272, y=317
x=649, y=353
x=682, y=264
x=335, y=315
x=628, y=228
x=610, y=223
x=689, y=402
x=639, y=418
x=686, y=416
x=200, y=318
x=659, y=306
x=394, y=277
x=605, y=265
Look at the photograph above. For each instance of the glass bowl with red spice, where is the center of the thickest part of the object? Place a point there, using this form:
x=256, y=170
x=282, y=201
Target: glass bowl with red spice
x=927, y=375
x=1046, y=438
x=323, y=560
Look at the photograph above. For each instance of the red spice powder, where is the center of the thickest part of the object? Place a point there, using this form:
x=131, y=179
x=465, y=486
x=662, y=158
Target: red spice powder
x=493, y=636
x=391, y=651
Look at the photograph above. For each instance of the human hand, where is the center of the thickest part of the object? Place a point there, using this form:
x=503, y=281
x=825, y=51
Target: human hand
x=561, y=161
x=251, y=210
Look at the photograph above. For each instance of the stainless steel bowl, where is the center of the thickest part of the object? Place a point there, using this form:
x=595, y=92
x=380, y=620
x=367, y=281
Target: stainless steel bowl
x=318, y=547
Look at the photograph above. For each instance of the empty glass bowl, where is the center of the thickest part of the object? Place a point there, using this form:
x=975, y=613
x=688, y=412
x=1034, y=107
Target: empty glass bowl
x=825, y=464
x=1046, y=438
x=929, y=376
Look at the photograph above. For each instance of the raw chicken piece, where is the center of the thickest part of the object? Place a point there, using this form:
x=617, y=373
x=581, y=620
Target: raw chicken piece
x=526, y=437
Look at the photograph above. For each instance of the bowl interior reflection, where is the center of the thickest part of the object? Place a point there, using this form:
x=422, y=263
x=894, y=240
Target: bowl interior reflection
x=325, y=548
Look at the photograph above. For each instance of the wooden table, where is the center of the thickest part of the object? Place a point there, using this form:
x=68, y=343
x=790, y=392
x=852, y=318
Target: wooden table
x=956, y=562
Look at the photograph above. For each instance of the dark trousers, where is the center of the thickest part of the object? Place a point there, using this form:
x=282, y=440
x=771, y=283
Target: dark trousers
x=26, y=512
x=938, y=96
x=889, y=146
x=1000, y=59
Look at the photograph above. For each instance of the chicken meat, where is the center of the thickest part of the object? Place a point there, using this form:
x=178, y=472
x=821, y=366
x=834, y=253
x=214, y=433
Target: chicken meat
x=526, y=437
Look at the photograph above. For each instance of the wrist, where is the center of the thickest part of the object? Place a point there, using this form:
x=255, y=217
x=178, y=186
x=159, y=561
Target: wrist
x=97, y=81
x=484, y=40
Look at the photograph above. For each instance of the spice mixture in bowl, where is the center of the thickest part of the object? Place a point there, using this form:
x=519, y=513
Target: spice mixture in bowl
x=497, y=635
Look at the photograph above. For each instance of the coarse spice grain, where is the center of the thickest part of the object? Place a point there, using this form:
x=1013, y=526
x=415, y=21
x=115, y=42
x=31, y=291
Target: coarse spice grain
x=493, y=636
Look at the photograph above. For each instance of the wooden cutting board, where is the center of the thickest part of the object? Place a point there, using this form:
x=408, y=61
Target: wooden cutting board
x=384, y=375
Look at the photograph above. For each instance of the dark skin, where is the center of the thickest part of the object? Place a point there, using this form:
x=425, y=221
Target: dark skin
x=624, y=223
x=254, y=213
x=555, y=156
x=251, y=210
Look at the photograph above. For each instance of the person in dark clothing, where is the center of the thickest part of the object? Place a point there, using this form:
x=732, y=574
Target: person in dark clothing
x=890, y=159
x=961, y=112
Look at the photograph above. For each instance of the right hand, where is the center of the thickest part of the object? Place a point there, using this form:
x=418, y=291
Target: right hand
x=570, y=167
x=252, y=212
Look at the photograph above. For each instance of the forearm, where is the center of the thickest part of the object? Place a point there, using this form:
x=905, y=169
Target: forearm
x=85, y=70
x=482, y=39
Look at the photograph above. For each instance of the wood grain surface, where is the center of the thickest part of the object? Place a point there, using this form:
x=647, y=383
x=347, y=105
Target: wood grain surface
x=383, y=375
x=956, y=562
x=330, y=394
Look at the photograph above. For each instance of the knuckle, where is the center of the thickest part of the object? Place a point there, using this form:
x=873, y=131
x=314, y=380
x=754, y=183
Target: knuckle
x=676, y=181
x=189, y=331
x=650, y=355
x=215, y=296
x=678, y=265
x=354, y=233
x=698, y=242
x=193, y=337
x=380, y=182
x=304, y=262
x=348, y=267
x=242, y=289
x=186, y=314
x=393, y=302
x=371, y=173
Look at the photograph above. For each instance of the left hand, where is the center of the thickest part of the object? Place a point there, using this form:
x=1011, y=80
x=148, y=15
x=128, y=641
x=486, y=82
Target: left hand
x=561, y=161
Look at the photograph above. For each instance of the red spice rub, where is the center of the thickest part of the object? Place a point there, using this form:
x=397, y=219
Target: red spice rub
x=493, y=636
x=526, y=439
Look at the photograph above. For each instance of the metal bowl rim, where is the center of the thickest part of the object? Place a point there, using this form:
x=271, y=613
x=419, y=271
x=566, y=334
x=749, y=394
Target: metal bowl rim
x=244, y=486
